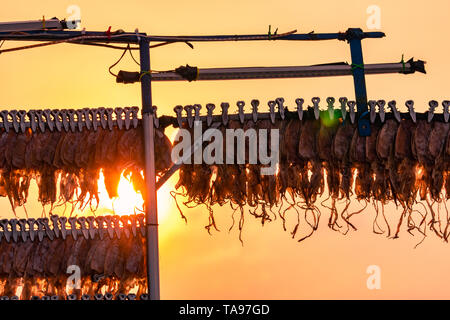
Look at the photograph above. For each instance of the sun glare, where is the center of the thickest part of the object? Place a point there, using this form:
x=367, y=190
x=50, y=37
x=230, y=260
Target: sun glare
x=129, y=201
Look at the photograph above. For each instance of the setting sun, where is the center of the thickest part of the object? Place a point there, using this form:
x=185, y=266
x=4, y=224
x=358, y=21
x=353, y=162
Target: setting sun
x=129, y=201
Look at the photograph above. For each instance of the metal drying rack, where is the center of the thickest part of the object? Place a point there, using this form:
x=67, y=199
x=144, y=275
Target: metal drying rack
x=54, y=31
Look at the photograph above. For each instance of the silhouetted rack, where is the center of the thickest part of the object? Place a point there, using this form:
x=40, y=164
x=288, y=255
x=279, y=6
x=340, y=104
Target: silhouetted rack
x=53, y=31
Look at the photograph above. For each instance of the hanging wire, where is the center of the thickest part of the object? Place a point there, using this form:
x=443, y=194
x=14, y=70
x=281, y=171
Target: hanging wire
x=113, y=65
x=127, y=48
x=131, y=54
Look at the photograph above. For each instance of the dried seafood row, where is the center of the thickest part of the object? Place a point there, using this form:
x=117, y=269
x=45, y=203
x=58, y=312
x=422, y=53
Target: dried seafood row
x=403, y=161
x=41, y=268
x=77, y=158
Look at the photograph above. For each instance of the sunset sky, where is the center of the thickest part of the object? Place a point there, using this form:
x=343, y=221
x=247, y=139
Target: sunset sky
x=270, y=265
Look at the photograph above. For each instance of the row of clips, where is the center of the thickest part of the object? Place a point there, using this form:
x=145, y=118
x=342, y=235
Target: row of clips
x=277, y=109
x=98, y=296
x=57, y=227
x=71, y=119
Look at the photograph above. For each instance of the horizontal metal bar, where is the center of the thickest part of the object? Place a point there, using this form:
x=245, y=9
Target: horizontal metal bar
x=89, y=36
x=131, y=37
x=296, y=37
x=31, y=25
x=284, y=72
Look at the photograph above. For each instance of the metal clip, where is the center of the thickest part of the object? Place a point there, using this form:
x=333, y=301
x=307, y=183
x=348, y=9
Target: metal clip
x=65, y=120
x=128, y=115
x=87, y=119
x=63, y=222
x=95, y=121
x=178, y=110
x=48, y=230
x=117, y=228
x=72, y=123
x=13, y=114
x=54, y=218
x=410, y=105
x=392, y=105
x=98, y=296
x=255, y=104
x=91, y=226
x=445, y=105
x=121, y=296
x=103, y=120
x=272, y=105
x=433, y=105
x=351, y=107
x=343, y=101
x=241, y=105
x=190, y=118
x=281, y=108
x=109, y=226
x=23, y=230
x=73, y=227
x=140, y=218
x=41, y=122
x=315, y=102
x=14, y=232
x=85, y=297
x=79, y=114
x=6, y=233
x=300, y=102
x=197, y=109
x=32, y=233
x=382, y=113
x=126, y=226
x=225, y=106
x=132, y=218
x=84, y=231
x=330, y=101
x=109, y=117
x=41, y=229
x=22, y=115
x=5, y=114
x=48, y=119
x=210, y=108
x=108, y=296
x=33, y=122
x=155, y=118
x=131, y=296
x=136, y=31
x=101, y=227
x=119, y=119
x=373, y=111
x=57, y=117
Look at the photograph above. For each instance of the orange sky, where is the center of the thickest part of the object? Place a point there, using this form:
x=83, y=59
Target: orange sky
x=270, y=265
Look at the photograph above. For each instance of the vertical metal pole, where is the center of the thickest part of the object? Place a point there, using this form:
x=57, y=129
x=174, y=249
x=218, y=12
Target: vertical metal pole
x=354, y=38
x=151, y=208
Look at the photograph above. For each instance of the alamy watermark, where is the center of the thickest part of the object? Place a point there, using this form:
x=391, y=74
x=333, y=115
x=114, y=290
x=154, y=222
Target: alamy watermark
x=234, y=142
x=74, y=280
x=374, y=20
x=74, y=20
x=374, y=280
